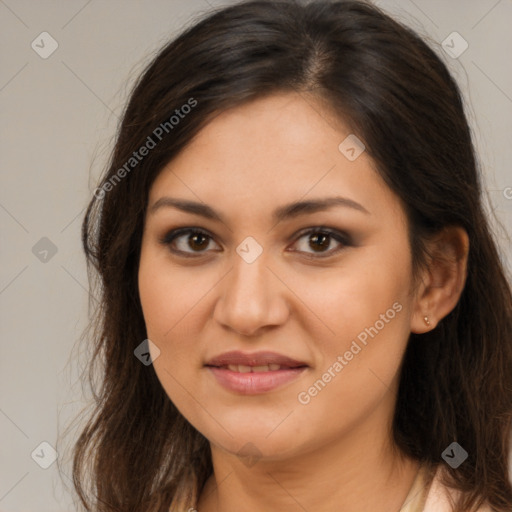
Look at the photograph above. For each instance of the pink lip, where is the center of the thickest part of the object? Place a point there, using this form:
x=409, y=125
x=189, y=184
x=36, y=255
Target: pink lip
x=254, y=359
x=254, y=383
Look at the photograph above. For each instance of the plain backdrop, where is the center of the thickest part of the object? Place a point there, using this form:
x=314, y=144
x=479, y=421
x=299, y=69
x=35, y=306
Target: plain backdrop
x=58, y=119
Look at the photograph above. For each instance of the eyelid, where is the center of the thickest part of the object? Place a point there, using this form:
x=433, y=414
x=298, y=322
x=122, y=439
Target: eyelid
x=339, y=236
x=173, y=234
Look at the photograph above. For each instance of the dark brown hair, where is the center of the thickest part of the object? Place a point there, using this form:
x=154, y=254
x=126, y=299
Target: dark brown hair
x=137, y=452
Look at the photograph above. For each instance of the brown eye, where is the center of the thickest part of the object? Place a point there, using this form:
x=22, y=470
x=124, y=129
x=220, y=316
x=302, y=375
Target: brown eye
x=323, y=242
x=319, y=241
x=188, y=241
x=198, y=241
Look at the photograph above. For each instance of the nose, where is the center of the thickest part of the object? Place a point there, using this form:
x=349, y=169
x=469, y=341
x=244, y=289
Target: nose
x=251, y=299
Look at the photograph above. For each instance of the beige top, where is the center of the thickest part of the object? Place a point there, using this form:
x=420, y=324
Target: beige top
x=428, y=494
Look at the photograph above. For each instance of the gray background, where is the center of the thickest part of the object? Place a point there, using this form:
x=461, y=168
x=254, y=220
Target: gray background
x=59, y=117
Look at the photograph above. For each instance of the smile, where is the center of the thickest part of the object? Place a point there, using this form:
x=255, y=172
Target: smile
x=240, y=368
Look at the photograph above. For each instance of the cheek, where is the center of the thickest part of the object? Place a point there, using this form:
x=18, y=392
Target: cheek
x=365, y=305
x=169, y=295
x=173, y=302
x=352, y=296
x=361, y=360
x=168, y=301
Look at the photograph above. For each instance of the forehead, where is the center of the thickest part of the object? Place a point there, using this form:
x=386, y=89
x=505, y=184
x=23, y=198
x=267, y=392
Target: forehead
x=271, y=150
x=277, y=129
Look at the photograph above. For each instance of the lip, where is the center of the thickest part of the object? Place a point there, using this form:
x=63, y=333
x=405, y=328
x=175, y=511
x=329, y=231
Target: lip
x=254, y=359
x=254, y=382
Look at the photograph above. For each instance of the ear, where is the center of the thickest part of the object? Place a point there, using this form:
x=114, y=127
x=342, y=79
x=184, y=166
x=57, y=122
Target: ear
x=442, y=281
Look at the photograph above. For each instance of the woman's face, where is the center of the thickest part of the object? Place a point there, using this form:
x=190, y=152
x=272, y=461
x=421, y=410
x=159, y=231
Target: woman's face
x=326, y=284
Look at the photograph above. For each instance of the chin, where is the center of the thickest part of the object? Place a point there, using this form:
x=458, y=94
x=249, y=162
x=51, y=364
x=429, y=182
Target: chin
x=254, y=442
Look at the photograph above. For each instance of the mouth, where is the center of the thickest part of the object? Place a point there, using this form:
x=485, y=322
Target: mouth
x=241, y=368
x=256, y=373
x=244, y=362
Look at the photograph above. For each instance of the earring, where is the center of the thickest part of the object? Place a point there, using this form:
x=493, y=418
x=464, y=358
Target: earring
x=427, y=321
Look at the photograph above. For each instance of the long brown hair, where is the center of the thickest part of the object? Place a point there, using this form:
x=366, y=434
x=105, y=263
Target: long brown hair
x=137, y=452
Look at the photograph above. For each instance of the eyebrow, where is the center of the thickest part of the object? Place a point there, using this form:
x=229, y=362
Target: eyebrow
x=287, y=211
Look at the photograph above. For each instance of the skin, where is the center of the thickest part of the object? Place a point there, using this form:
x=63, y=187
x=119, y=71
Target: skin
x=335, y=452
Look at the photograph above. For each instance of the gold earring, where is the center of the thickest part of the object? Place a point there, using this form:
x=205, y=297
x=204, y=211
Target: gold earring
x=427, y=321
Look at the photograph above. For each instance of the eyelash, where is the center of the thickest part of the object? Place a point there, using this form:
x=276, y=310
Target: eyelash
x=338, y=236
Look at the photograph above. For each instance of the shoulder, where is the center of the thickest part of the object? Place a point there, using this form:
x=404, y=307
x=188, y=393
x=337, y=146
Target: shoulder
x=441, y=497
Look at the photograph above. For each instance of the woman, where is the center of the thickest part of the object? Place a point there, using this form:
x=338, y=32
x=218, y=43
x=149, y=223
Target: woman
x=291, y=230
